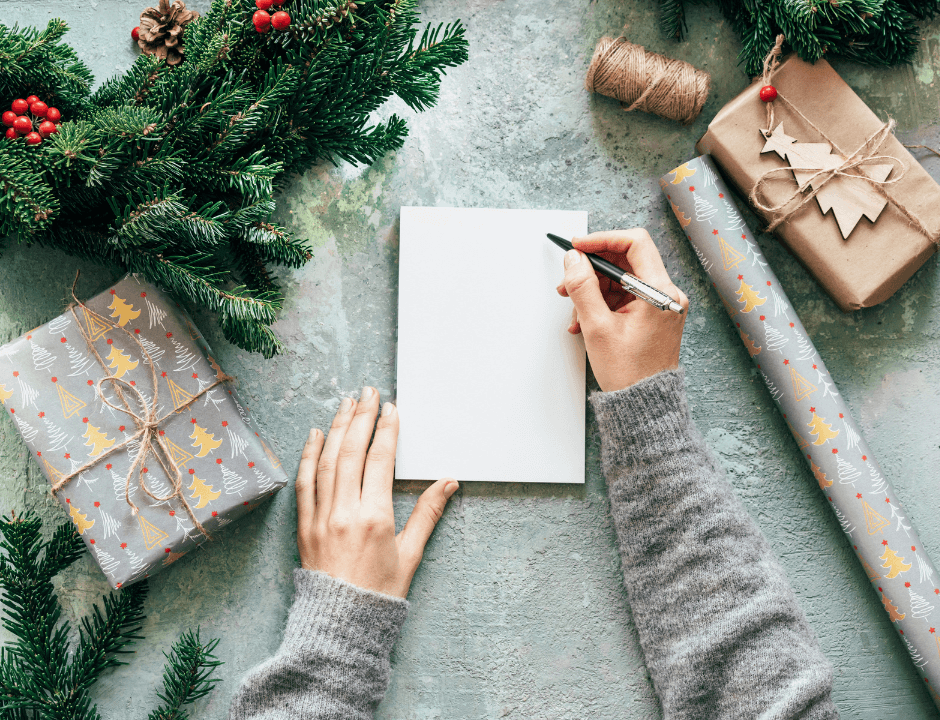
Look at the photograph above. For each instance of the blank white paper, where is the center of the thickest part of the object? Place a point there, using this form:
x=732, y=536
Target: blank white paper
x=490, y=383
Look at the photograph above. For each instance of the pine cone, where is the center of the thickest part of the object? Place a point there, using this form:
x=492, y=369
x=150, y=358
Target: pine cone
x=161, y=30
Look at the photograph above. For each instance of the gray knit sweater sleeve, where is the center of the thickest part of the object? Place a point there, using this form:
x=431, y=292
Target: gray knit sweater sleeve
x=333, y=663
x=723, y=634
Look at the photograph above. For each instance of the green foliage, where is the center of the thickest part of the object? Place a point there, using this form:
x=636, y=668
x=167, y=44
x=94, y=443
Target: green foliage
x=40, y=679
x=169, y=171
x=877, y=32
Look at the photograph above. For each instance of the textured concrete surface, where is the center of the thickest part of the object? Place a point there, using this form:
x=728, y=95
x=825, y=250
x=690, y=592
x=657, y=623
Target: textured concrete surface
x=518, y=609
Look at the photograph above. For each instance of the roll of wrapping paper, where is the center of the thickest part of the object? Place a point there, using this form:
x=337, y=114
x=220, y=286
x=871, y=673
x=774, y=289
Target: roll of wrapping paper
x=867, y=508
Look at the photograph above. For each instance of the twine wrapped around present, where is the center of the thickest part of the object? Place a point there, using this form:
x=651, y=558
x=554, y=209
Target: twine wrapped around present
x=147, y=424
x=645, y=81
x=850, y=167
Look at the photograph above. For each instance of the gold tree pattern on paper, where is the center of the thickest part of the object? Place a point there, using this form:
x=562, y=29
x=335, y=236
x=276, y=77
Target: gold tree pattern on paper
x=96, y=440
x=680, y=216
x=749, y=296
x=119, y=362
x=752, y=348
x=802, y=388
x=821, y=429
x=81, y=521
x=870, y=571
x=895, y=563
x=71, y=405
x=203, y=492
x=730, y=257
x=820, y=476
x=681, y=173
x=5, y=394
x=122, y=310
x=892, y=610
x=874, y=522
x=152, y=535
x=204, y=440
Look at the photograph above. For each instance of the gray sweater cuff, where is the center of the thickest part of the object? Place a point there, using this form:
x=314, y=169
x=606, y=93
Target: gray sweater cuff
x=644, y=422
x=331, y=618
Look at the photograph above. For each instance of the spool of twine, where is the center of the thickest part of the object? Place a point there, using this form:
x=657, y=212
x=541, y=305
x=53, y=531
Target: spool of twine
x=646, y=81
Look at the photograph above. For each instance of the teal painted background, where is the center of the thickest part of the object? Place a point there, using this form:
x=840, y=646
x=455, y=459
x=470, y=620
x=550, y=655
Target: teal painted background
x=518, y=609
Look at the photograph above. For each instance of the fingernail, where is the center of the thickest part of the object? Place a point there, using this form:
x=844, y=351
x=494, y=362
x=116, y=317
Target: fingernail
x=314, y=434
x=387, y=409
x=346, y=405
x=366, y=393
x=572, y=257
x=451, y=488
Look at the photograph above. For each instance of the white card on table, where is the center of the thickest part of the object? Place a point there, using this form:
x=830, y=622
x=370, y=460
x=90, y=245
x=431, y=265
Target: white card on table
x=490, y=383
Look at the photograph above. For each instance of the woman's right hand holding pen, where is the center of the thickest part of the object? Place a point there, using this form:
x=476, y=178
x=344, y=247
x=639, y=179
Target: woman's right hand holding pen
x=627, y=339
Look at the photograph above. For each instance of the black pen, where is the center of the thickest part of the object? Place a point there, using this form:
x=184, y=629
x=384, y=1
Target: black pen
x=630, y=283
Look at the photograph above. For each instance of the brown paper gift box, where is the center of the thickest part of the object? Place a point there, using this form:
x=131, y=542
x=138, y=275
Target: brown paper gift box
x=877, y=258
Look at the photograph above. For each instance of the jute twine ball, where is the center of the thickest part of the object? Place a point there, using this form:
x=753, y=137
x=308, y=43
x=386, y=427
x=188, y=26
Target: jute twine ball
x=646, y=81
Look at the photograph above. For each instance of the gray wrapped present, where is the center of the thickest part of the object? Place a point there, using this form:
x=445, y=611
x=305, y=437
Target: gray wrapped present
x=138, y=430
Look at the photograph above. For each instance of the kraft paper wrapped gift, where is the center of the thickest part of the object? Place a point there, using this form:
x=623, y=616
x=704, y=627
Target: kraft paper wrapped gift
x=876, y=258
x=138, y=497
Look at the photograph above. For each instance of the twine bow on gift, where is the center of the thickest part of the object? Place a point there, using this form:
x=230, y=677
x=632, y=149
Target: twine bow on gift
x=148, y=424
x=852, y=164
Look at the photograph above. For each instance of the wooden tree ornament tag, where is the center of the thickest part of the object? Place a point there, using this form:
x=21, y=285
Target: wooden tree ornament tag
x=849, y=199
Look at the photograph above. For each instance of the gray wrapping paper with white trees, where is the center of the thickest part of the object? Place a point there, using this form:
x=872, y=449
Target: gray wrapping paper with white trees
x=875, y=521
x=49, y=388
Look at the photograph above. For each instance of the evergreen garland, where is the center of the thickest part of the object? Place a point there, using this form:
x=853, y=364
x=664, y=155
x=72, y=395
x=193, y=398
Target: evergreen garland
x=169, y=172
x=877, y=32
x=40, y=679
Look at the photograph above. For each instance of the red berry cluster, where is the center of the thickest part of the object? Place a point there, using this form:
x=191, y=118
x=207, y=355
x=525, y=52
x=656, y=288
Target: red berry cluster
x=264, y=21
x=41, y=118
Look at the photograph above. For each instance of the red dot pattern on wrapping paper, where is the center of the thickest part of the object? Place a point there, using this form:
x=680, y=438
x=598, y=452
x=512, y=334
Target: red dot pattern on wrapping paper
x=251, y=464
x=137, y=331
x=714, y=232
x=123, y=546
x=786, y=362
x=191, y=471
x=931, y=630
x=936, y=591
x=225, y=423
x=110, y=341
x=214, y=513
x=855, y=547
x=112, y=291
x=769, y=283
x=84, y=419
x=162, y=432
x=172, y=513
x=835, y=451
x=740, y=277
x=914, y=548
x=763, y=317
x=792, y=325
x=830, y=498
x=143, y=470
x=97, y=504
x=16, y=373
x=92, y=541
x=841, y=415
x=858, y=495
x=63, y=340
x=864, y=457
x=68, y=456
x=133, y=383
x=193, y=421
x=218, y=461
x=195, y=376
x=169, y=335
x=907, y=584
x=812, y=409
x=743, y=237
x=67, y=501
x=166, y=550
x=244, y=503
x=691, y=188
x=884, y=542
x=143, y=294
x=880, y=590
x=887, y=501
x=54, y=379
x=43, y=414
x=721, y=195
x=108, y=466
x=91, y=382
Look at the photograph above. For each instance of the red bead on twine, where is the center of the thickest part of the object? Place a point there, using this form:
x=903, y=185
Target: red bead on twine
x=768, y=93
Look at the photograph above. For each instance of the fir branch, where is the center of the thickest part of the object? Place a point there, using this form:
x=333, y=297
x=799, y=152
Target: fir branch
x=187, y=676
